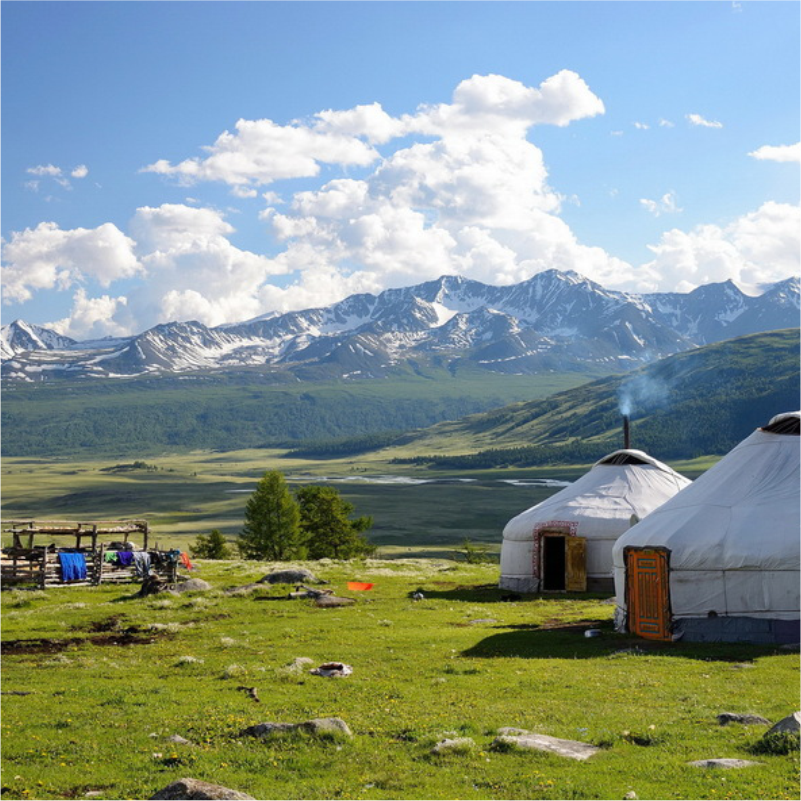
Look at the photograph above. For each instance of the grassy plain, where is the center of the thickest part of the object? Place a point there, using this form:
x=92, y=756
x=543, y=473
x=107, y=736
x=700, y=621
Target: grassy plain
x=189, y=494
x=96, y=680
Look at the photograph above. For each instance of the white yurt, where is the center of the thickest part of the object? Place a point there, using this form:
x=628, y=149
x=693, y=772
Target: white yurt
x=720, y=561
x=565, y=542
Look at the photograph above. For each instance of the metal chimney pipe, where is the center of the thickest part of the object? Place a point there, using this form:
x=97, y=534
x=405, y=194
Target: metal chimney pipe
x=626, y=432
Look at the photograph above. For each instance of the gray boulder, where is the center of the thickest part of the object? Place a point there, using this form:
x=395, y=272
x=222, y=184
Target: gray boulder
x=318, y=727
x=192, y=585
x=725, y=764
x=294, y=575
x=789, y=724
x=332, y=601
x=724, y=718
x=572, y=749
x=196, y=790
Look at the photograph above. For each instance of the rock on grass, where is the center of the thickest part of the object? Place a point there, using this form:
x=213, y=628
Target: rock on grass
x=194, y=789
x=318, y=727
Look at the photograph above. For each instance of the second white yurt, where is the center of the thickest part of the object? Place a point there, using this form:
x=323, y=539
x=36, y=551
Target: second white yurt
x=720, y=561
x=565, y=542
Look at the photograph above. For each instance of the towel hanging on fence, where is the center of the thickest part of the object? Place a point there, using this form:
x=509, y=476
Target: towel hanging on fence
x=125, y=558
x=111, y=557
x=73, y=566
x=185, y=561
x=142, y=563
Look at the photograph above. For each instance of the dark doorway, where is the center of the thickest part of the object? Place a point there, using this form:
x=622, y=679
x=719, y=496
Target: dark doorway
x=553, y=563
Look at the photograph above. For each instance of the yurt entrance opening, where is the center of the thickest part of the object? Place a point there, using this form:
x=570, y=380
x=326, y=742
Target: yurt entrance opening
x=648, y=592
x=563, y=562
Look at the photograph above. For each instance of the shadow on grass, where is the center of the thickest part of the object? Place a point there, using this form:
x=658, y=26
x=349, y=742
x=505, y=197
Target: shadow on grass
x=490, y=593
x=567, y=641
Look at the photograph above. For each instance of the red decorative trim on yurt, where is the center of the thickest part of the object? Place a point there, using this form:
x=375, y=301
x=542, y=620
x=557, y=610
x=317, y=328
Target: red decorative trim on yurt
x=569, y=528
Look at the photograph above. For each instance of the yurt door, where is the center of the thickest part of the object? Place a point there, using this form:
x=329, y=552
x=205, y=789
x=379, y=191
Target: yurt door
x=564, y=563
x=647, y=591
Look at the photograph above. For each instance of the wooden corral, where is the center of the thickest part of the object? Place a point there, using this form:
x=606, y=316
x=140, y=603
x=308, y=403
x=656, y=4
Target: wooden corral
x=35, y=557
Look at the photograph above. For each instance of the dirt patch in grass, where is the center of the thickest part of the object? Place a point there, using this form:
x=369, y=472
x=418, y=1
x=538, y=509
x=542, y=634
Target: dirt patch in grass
x=46, y=645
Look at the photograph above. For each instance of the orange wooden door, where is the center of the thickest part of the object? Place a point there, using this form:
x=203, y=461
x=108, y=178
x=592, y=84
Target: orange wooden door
x=647, y=588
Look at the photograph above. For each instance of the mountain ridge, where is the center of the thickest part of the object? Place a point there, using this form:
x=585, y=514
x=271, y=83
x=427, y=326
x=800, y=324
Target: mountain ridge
x=551, y=321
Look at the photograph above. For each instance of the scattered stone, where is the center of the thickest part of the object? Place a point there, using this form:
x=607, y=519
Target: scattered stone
x=176, y=738
x=630, y=796
x=192, y=585
x=726, y=764
x=418, y=596
x=592, y=633
x=572, y=749
x=743, y=665
x=252, y=693
x=332, y=601
x=483, y=620
x=196, y=790
x=94, y=794
x=457, y=745
x=320, y=727
x=789, y=724
x=332, y=670
x=295, y=575
x=298, y=664
x=724, y=718
x=511, y=731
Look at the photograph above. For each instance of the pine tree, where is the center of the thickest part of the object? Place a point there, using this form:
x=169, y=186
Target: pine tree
x=212, y=546
x=271, y=529
x=327, y=528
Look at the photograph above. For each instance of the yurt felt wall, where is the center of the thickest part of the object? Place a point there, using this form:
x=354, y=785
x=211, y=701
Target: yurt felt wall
x=598, y=507
x=731, y=545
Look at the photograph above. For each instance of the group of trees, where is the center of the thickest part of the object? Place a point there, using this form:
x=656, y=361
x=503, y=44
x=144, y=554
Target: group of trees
x=314, y=523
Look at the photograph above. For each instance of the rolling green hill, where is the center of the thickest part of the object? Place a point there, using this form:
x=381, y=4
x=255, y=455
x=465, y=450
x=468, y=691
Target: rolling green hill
x=696, y=403
x=145, y=416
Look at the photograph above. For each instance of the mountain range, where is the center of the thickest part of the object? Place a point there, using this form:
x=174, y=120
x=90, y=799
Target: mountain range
x=554, y=321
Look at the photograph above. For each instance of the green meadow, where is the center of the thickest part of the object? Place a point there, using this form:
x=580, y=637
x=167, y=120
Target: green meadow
x=96, y=681
x=185, y=495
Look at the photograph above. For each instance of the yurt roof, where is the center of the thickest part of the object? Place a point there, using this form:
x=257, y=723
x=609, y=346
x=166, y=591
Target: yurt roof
x=624, y=483
x=742, y=513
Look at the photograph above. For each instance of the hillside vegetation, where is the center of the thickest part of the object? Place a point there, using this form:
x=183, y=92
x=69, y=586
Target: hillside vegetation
x=700, y=402
x=132, y=417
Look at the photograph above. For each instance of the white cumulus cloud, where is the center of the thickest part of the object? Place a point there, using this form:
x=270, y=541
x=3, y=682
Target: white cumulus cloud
x=81, y=171
x=47, y=257
x=665, y=205
x=791, y=153
x=759, y=247
x=698, y=120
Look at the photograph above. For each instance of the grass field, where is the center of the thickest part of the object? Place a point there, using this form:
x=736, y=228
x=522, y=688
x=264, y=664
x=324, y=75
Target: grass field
x=96, y=680
x=189, y=494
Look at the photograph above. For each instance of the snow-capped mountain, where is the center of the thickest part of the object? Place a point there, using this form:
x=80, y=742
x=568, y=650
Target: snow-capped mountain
x=553, y=321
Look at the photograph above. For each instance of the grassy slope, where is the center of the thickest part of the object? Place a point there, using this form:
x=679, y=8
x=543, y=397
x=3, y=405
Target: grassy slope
x=97, y=716
x=141, y=417
x=699, y=402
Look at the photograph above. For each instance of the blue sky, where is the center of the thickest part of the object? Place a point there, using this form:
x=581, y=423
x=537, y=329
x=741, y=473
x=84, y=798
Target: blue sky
x=652, y=146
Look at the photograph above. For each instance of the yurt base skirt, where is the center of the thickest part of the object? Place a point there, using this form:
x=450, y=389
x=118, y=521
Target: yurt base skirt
x=737, y=629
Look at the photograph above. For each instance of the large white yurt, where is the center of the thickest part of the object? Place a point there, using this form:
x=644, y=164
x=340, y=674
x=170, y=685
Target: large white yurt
x=720, y=561
x=565, y=542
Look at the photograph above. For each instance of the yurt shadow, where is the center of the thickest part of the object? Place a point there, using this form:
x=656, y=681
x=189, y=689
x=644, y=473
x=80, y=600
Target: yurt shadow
x=491, y=593
x=567, y=641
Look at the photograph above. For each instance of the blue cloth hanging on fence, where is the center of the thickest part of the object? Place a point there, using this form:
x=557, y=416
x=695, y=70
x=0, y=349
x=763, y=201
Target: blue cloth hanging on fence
x=73, y=566
x=125, y=558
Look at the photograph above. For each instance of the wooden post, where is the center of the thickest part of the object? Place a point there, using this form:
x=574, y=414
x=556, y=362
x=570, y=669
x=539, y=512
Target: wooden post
x=147, y=530
x=43, y=582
